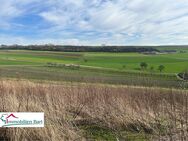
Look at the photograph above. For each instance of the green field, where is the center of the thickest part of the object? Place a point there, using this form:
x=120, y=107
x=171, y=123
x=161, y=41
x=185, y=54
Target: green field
x=174, y=63
x=121, y=68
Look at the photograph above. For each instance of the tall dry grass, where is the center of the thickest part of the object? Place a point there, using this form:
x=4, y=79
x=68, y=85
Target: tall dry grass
x=161, y=113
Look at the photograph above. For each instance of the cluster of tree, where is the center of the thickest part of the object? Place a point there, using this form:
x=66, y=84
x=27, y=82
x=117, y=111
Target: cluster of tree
x=144, y=66
x=67, y=48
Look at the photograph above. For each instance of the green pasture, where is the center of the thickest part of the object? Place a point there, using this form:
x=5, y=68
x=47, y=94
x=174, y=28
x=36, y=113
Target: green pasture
x=174, y=63
x=110, y=68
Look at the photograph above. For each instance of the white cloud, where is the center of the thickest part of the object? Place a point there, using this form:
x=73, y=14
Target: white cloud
x=10, y=9
x=10, y=40
x=105, y=21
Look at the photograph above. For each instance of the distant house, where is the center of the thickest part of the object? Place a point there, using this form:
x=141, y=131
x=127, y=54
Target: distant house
x=150, y=53
x=168, y=51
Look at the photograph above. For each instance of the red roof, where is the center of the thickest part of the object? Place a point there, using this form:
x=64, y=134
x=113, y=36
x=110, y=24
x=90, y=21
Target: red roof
x=11, y=115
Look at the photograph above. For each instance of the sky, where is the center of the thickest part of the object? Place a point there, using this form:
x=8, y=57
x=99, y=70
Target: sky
x=94, y=22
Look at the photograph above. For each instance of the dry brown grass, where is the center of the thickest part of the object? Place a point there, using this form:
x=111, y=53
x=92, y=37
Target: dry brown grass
x=162, y=113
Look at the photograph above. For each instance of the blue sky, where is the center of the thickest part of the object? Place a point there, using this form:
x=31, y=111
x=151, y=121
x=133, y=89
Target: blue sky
x=94, y=22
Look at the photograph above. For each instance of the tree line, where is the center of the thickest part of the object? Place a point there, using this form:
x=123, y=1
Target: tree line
x=69, y=48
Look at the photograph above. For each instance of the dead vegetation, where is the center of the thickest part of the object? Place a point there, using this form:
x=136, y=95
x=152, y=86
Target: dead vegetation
x=157, y=113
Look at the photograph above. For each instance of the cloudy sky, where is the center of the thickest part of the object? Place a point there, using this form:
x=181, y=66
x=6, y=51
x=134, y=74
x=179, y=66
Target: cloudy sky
x=94, y=22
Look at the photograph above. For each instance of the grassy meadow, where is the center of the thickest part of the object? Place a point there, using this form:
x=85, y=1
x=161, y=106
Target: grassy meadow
x=174, y=63
x=110, y=68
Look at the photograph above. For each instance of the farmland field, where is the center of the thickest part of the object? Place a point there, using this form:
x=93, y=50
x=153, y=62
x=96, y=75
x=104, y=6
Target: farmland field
x=174, y=63
x=113, y=68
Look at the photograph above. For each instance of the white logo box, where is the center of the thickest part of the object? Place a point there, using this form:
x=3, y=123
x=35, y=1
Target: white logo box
x=21, y=119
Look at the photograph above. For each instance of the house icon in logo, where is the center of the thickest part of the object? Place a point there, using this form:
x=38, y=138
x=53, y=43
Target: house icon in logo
x=6, y=118
x=11, y=116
